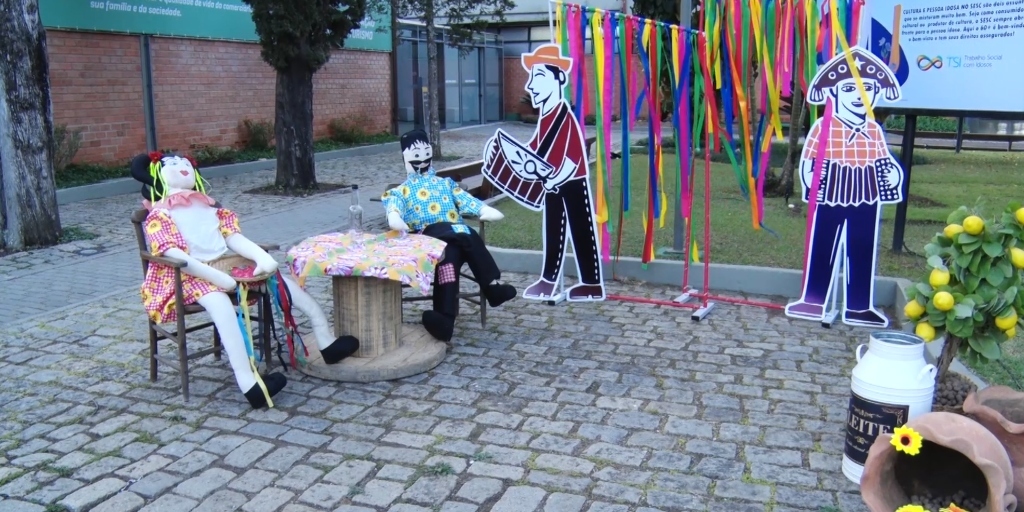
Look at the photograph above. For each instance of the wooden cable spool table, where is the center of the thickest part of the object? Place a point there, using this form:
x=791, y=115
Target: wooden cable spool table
x=367, y=274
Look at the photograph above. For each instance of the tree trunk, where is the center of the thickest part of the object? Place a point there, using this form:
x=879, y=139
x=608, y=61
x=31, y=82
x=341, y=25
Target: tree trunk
x=797, y=113
x=293, y=129
x=949, y=352
x=28, y=195
x=434, y=121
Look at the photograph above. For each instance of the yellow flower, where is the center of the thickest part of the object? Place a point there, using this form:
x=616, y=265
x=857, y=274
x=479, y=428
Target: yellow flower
x=911, y=508
x=452, y=216
x=434, y=208
x=423, y=194
x=417, y=208
x=907, y=440
x=405, y=191
x=952, y=508
x=152, y=227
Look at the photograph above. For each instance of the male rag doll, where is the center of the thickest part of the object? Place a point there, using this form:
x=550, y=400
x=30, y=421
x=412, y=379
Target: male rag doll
x=186, y=224
x=434, y=206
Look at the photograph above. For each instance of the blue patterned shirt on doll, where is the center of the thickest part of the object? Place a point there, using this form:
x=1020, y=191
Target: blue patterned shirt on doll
x=425, y=199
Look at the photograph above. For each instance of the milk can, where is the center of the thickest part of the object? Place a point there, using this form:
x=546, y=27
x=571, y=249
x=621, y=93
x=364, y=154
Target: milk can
x=891, y=384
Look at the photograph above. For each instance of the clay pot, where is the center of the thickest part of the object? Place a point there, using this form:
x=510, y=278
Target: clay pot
x=891, y=476
x=1001, y=410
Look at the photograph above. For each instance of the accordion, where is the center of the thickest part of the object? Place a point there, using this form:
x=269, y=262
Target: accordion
x=843, y=184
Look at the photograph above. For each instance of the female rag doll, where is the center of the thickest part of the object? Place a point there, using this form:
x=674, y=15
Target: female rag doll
x=433, y=206
x=186, y=224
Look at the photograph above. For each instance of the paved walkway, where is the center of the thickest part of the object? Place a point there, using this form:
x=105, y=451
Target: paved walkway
x=598, y=407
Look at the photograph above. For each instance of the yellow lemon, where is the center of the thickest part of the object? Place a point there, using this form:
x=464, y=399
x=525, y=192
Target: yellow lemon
x=953, y=230
x=1011, y=333
x=925, y=331
x=974, y=225
x=938, y=277
x=1017, y=257
x=1020, y=215
x=943, y=301
x=913, y=310
x=1005, y=323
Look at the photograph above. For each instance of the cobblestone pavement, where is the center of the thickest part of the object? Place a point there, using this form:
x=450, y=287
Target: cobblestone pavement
x=595, y=407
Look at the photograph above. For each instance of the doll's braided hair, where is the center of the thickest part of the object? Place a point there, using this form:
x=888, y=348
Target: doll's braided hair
x=146, y=168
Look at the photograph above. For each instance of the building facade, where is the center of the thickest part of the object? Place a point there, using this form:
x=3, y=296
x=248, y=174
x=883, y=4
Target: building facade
x=185, y=77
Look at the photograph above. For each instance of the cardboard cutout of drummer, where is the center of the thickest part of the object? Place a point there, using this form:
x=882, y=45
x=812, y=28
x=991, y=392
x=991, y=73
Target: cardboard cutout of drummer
x=551, y=174
x=858, y=176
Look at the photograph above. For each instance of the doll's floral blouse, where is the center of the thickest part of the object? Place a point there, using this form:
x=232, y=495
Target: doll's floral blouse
x=162, y=234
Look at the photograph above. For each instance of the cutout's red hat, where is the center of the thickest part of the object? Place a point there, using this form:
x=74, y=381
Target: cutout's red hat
x=548, y=54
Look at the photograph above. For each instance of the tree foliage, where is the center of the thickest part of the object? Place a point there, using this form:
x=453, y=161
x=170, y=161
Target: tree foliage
x=660, y=10
x=304, y=32
x=462, y=18
x=973, y=293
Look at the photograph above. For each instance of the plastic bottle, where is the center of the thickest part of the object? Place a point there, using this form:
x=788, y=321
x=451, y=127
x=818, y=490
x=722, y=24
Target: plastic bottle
x=355, y=212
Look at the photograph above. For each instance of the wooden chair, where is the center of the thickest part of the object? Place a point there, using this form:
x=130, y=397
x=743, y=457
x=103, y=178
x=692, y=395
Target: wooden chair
x=263, y=320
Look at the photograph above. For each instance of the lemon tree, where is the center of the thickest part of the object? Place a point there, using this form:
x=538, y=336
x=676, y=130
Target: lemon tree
x=973, y=291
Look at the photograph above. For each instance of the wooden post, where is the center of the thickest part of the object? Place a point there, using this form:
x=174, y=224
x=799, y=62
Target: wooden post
x=370, y=309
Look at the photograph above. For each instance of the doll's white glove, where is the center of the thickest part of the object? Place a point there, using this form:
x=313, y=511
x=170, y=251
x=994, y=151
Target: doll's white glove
x=488, y=214
x=223, y=280
x=265, y=265
x=396, y=223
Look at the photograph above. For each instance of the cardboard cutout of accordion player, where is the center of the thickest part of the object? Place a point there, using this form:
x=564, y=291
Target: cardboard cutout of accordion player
x=551, y=173
x=858, y=176
x=433, y=206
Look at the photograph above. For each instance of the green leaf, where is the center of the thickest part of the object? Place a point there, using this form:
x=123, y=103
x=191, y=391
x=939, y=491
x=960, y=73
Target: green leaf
x=1010, y=294
x=984, y=267
x=995, y=277
x=936, y=262
x=963, y=260
x=985, y=345
x=971, y=283
x=963, y=311
x=993, y=249
x=911, y=292
x=1007, y=267
x=958, y=216
x=925, y=289
x=965, y=238
x=973, y=246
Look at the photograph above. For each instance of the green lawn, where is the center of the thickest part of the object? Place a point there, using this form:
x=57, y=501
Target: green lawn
x=941, y=182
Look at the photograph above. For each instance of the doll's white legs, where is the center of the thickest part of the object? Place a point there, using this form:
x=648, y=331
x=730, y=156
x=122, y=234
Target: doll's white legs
x=332, y=349
x=223, y=314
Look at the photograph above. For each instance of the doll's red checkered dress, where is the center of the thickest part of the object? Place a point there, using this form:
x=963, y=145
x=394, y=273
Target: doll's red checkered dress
x=158, y=288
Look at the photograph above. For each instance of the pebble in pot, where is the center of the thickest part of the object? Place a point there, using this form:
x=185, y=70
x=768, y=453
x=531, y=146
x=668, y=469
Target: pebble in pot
x=957, y=455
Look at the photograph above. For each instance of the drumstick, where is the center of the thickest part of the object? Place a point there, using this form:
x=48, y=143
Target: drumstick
x=894, y=53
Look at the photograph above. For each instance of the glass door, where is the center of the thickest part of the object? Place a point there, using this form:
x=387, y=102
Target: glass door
x=448, y=71
x=493, y=64
x=471, y=94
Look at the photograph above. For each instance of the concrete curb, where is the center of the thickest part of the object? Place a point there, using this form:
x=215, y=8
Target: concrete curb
x=129, y=186
x=933, y=349
x=724, y=278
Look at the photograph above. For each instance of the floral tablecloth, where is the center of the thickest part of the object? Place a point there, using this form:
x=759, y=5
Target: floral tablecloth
x=406, y=258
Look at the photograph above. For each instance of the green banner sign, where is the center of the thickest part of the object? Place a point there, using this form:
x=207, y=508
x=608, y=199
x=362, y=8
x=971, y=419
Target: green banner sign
x=201, y=19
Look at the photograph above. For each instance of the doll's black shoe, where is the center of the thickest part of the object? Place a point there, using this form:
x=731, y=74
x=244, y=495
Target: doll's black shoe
x=341, y=348
x=498, y=294
x=275, y=382
x=438, y=325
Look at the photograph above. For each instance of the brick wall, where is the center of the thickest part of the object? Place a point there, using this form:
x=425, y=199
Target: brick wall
x=96, y=86
x=202, y=91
